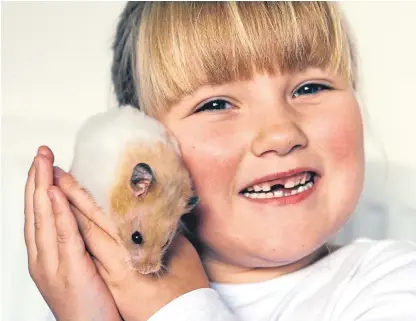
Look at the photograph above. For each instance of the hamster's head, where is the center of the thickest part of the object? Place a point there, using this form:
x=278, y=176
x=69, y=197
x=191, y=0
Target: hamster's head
x=145, y=241
x=147, y=205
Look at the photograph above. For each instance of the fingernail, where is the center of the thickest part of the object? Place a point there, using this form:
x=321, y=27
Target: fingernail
x=58, y=172
x=39, y=150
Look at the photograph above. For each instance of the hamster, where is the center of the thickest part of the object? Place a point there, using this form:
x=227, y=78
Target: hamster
x=133, y=169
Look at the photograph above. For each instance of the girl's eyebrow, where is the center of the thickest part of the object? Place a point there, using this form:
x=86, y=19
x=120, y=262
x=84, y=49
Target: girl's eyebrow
x=204, y=90
x=188, y=102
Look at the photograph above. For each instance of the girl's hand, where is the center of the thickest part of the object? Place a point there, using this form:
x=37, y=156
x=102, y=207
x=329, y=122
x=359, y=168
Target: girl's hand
x=137, y=296
x=58, y=262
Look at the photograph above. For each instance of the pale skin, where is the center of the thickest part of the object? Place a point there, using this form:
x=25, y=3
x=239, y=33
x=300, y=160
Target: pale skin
x=264, y=127
x=74, y=287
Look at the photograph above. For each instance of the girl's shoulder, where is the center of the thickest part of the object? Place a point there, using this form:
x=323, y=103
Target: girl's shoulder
x=364, y=280
x=374, y=278
x=369, y=254
x=368, y=261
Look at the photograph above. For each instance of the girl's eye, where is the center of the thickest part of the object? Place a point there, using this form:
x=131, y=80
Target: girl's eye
x=218, y=104
x=310, y=89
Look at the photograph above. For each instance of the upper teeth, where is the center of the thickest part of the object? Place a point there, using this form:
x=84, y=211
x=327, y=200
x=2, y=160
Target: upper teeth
x=280, y=193
x=288, y=183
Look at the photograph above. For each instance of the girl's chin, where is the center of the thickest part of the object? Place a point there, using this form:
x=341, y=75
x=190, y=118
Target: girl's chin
x=280, y=260
x=271, y=257
x=258, y=268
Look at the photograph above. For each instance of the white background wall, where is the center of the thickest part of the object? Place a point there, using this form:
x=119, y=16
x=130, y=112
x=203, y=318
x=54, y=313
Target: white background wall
x=55, y=65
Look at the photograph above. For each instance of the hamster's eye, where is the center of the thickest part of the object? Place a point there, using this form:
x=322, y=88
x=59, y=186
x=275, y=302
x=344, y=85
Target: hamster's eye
x=137, y=238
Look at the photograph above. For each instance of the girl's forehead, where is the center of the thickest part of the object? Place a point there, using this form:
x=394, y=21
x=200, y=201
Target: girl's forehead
x=202, y=43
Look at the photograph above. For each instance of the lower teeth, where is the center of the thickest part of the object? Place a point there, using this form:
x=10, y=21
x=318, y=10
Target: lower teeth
x=280, y=193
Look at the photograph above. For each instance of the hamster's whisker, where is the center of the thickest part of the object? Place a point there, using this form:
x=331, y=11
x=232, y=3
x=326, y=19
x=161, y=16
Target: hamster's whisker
x=164, y=268
x=159, y=274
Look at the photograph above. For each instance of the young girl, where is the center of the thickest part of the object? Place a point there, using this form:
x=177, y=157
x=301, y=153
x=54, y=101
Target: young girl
x=261, y=97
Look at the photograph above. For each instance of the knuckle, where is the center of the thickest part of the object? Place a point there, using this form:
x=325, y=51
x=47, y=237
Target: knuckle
x=63, y=237
x=59, y=211
x=39, y=203
x=37, y=222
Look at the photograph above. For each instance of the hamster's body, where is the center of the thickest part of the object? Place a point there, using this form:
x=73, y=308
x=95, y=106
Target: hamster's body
x=133, y=169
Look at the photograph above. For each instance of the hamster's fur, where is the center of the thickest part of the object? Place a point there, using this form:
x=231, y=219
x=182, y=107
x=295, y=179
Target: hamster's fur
x=111, y=149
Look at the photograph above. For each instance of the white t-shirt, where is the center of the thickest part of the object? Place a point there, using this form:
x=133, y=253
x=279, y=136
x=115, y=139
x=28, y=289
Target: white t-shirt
x=366, y=280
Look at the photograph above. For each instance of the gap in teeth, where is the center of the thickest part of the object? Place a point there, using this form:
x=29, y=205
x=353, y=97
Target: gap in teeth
x=280, y=192
x=293, y=183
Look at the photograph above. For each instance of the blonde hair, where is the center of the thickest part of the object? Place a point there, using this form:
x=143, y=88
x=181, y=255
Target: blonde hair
x=183, y=45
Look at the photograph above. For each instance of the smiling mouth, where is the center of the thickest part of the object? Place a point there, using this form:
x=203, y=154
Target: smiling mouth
x=282, y=188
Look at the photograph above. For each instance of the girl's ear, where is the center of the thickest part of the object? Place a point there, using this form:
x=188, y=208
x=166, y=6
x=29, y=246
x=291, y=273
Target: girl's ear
x=141, y=179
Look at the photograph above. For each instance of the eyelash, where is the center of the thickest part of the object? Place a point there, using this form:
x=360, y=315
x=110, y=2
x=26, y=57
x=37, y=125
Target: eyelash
x=205, y=107
x=315, y=87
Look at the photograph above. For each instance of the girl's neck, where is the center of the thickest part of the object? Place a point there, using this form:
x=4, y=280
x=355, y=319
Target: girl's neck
x=222, y=272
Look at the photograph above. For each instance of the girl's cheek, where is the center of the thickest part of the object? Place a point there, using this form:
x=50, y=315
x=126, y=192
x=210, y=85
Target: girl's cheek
x=212, y=158
x=343, y=142
x=339, y=134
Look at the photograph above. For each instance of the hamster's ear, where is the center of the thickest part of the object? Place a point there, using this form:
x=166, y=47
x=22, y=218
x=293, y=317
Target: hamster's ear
x=141, y=179
x=192, y=202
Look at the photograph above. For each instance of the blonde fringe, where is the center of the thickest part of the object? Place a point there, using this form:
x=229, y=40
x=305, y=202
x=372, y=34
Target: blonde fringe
x=183, y=45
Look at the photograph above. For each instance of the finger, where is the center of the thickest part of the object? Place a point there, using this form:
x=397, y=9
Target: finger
x=45, y=231
x=29, y=225
x=105, y=249
x=83, y=201
x=47, y=152
x=69, y=240
x=100, y=268
x=98, y=230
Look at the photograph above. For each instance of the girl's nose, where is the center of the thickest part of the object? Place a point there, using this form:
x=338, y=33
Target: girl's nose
x=281, y=138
